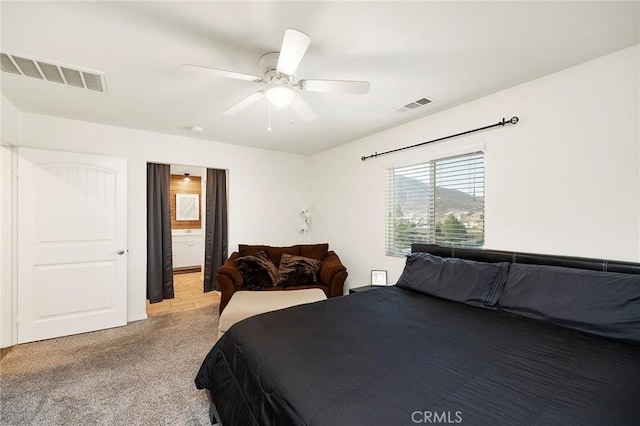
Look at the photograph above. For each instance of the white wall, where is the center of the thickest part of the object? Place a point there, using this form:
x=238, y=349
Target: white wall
x=266, y=188
x=564, y=180
x=9, y=122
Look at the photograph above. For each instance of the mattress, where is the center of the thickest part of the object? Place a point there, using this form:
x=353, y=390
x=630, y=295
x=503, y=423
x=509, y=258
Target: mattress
x=392, y=356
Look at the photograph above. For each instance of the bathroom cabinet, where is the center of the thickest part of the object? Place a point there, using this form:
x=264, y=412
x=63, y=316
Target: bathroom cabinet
x=187, y=249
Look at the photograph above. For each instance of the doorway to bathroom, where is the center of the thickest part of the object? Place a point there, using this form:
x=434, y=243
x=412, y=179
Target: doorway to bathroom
x=186, y=190
x=187, y=205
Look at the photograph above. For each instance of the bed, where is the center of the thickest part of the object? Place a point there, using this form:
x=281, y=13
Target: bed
x=398, y=356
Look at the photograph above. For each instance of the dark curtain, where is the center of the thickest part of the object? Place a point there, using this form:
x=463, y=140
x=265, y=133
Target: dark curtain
x=159, y=258
x=216, y=244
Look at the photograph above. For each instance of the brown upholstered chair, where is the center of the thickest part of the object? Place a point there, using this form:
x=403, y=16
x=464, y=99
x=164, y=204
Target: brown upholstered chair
x=332, y=272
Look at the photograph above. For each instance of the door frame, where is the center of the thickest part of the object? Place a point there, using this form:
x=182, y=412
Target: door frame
x=9, y=258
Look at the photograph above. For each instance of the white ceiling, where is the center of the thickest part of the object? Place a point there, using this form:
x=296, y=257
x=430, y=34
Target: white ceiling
x=449, y=52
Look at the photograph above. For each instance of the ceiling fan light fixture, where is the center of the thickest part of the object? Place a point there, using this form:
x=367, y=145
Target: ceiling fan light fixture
x=280, y=96
x=278, y=70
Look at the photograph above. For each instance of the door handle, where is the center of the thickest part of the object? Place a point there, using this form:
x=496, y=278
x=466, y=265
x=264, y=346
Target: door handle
x=120, y=252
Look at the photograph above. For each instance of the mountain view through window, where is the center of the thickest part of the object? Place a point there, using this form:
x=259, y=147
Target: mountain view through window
x=441, y=202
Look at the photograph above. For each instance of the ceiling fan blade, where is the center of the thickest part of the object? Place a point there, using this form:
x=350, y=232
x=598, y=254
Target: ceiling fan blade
x=219, y=73
x=246, y=102
x=303, y=109
x=335, y=86
x=294, y=46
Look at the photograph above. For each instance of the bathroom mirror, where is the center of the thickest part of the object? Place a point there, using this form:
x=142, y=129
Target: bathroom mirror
x=187, y=207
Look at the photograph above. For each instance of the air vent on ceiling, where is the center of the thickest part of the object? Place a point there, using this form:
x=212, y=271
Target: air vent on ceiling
x=413, y=105
x=57, y=73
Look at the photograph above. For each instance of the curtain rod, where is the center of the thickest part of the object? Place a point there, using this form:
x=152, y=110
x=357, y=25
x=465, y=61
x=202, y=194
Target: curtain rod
x=502, y=123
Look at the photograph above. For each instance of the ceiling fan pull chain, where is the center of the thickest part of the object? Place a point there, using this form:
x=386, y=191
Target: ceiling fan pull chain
x=269, y=115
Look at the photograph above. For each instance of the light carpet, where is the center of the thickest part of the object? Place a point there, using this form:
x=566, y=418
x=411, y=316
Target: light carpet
x=139, y=374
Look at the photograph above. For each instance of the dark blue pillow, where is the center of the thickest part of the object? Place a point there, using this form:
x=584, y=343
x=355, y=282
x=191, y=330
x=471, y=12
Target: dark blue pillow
x=601, y=303
x=466, y=281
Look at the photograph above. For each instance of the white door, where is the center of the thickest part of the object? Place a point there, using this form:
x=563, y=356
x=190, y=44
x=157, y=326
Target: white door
x=72, y=262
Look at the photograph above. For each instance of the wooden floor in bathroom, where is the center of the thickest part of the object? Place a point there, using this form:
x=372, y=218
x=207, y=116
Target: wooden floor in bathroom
x=188, y=294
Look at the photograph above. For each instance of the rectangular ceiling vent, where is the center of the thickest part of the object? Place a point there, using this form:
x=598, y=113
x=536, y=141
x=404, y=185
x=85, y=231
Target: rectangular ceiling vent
x=57, y=73
x=414, y=105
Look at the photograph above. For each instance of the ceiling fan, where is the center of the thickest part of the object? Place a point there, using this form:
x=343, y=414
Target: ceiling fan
x=278, y=69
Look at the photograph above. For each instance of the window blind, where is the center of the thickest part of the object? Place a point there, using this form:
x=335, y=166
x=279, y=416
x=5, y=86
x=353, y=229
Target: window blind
x=441, y=201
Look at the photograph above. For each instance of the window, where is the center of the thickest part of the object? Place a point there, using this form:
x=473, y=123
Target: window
x=441, y=202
